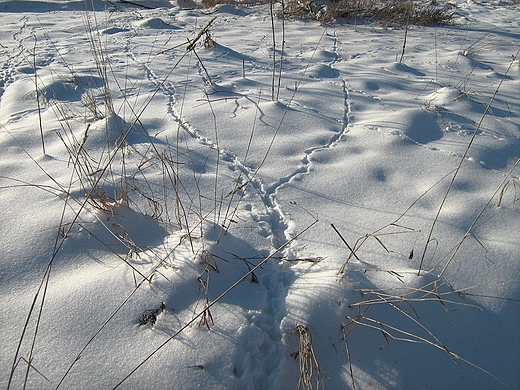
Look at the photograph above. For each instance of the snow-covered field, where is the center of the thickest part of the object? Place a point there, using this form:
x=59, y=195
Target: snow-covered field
x=367, y=207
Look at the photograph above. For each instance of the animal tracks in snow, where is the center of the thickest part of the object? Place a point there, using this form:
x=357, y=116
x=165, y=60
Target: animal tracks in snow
x=245, y=142
x=354, y=139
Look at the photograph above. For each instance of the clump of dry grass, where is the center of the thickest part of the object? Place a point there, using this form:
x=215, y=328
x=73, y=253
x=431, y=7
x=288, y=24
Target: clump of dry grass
x=390, y=13
x=396, y=13
x=309, y=365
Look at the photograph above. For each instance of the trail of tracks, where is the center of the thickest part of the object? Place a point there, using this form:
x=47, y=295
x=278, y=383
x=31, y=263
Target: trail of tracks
x=306, y=161
x=15, y=56
x=264, y=338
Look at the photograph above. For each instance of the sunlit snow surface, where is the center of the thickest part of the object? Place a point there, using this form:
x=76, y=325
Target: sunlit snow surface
x=169, y=174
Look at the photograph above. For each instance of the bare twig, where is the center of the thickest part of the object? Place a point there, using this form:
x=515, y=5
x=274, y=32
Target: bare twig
x=346, y=243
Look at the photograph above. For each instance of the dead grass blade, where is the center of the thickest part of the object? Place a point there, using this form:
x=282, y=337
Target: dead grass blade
x=428, y=292
x=394, y=333
x=347, y=349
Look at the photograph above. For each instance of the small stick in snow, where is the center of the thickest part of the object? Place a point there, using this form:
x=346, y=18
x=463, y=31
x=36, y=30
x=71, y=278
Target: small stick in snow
x=345, y=242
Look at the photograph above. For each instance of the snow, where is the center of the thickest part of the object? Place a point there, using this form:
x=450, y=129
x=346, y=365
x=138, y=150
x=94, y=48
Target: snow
x=141, y=181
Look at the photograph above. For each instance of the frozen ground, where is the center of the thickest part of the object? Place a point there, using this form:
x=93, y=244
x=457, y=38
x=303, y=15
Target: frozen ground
x=140, y=180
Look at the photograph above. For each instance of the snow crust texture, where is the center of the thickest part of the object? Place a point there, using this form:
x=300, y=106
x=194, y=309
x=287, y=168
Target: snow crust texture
x=185, y=204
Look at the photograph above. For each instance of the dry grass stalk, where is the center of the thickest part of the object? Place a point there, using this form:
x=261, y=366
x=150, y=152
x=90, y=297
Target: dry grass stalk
x=391, y=332
x=347, y=349
x=429, y=292
x=456, y=172
x=202, y=31
x=209, y=264
x=387, y=230
x=309, y=365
